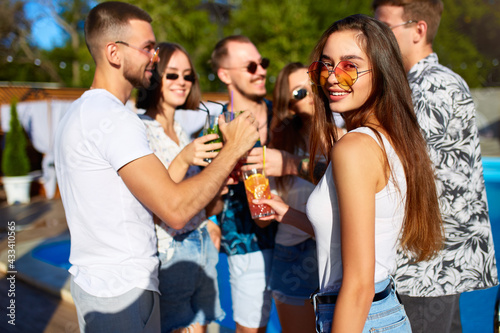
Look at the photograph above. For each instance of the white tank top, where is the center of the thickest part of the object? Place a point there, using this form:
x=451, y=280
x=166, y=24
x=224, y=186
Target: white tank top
x=322, y=211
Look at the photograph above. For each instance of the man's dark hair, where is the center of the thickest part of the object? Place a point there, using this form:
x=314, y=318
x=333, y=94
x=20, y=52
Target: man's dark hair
x=107, y=20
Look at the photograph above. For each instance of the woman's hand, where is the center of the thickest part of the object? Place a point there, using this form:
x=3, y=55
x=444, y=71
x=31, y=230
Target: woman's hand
x=197, y=151
x=277, y=204
x=285, y=214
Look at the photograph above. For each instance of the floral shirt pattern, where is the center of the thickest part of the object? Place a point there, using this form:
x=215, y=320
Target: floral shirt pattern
x=446, y=114
x=166, y=150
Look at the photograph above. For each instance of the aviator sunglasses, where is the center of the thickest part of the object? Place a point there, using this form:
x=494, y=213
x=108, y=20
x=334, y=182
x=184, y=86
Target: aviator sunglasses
x=300, y=94
x=173, y=76
x=346, y=73
x=252, y=66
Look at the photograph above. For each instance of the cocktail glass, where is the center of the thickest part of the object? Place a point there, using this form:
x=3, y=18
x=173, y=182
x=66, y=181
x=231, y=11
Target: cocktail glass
x=235, y=174
x=257, y=187
x=212, y=127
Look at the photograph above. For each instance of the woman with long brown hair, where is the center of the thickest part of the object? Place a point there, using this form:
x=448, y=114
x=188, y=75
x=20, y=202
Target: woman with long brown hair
x=378, y=195
x=294, y=275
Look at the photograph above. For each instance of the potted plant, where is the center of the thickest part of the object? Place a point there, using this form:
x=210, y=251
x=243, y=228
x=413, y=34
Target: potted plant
x=15, y=161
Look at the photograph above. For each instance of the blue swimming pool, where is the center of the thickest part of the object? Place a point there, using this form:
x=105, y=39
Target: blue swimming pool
x=54, y=253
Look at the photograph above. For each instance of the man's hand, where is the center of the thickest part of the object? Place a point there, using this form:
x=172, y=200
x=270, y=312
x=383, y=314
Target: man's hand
x=240, y=134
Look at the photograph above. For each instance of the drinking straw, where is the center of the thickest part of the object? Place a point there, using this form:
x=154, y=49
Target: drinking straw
x=205, y=108
x=264, y=160
x=208, y=114
x=232, y=106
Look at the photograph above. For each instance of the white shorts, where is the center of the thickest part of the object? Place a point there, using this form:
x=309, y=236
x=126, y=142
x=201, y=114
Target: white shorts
x=249, y=276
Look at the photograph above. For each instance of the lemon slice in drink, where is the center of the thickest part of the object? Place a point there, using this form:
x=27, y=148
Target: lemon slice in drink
x=257, y=185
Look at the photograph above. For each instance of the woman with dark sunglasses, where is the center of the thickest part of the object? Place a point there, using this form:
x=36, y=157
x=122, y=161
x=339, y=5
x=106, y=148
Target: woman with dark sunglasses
x=294, y=249
x=188, y=278
x=378, y=194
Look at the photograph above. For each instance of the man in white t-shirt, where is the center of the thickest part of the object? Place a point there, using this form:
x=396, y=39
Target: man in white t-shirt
x=111, y=182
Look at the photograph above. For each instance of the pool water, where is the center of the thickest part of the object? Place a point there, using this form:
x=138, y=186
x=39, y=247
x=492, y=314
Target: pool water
x=56, y=253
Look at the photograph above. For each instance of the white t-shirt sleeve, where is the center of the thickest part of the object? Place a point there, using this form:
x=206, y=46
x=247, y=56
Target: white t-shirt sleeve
x=124, y=138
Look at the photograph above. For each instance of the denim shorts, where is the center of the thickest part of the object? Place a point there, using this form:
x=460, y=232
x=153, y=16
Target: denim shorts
x=250, y=295
x=188, y=281
x=386, y=315
x=295, y=272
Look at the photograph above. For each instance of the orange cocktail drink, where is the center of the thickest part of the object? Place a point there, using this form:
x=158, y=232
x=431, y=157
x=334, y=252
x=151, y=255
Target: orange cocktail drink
x=257, y=187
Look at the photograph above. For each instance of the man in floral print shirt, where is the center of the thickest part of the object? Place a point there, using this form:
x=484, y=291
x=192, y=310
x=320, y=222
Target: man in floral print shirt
x=430, y=291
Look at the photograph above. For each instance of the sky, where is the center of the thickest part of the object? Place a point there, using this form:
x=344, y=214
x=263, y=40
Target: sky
x=46, y=32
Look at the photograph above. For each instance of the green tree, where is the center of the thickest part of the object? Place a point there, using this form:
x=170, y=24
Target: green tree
x=69, y=59
x=19, y=59
x=15, y=161
x=186, y=23
x=283, y=31
x=70, y=16
x=287, y=31
x=461, y=42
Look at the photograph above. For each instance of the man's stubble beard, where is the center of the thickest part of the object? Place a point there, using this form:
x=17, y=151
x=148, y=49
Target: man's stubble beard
x=251, y=97
x=137, y=80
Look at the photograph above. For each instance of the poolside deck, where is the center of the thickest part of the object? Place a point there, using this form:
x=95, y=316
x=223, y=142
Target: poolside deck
x=42, y=296
x=41, y=293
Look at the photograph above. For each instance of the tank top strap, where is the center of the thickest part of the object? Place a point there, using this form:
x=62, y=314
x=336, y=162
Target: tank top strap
x=366, y=130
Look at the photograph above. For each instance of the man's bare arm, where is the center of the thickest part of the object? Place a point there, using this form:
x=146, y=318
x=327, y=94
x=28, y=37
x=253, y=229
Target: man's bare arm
x=149, y=181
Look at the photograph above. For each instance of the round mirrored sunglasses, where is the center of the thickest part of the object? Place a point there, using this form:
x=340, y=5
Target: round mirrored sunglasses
x=346, y=73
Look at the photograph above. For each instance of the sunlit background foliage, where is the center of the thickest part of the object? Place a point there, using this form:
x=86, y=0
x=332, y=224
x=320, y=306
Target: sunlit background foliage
x=468, y=40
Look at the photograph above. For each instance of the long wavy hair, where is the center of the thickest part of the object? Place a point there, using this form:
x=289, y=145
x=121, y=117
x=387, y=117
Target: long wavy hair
x=390, y=102
x=150, y=97
x=285, y=126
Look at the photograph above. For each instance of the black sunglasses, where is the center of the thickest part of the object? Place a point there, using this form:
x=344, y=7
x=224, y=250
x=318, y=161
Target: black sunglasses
x=252, y=66
x=173, y=76
x=299, y=94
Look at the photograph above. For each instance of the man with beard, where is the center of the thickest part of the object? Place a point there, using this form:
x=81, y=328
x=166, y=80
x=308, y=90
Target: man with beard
x=111, y=182
x=249, y=246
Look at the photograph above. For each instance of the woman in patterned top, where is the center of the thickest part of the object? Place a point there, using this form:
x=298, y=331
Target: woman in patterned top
x=378, y=194
x=188, y=278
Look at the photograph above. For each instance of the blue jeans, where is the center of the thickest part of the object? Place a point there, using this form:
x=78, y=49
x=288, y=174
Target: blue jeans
x=386, y=315
x=294, y=276
x=135, y=311
x=188, y=282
